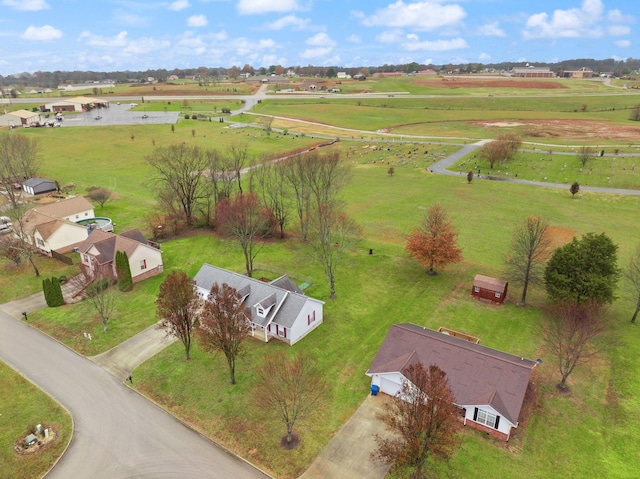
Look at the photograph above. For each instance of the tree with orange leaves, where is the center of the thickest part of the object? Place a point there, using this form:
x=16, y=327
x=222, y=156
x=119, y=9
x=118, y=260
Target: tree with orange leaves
x=434, y=243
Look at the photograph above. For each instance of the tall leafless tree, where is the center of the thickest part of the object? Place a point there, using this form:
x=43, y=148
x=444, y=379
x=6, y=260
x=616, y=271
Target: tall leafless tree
x=290, y=387
x=179, y=171
x=501, y=149
x=298, y=181
x=239, y=156
x=24, y=233
x=101, y=295
x=586, y=154
x=270, y=181
x=224, y=324
x=569, y=334
x=244, y=220
x=177, y=305
x=19, y=160
x=221, y=174
x=331, y=234
x=632, y=273
x=424, y=421
x=530, y=248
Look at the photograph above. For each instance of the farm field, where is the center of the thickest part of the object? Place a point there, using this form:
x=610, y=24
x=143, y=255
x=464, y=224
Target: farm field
x=591, y=432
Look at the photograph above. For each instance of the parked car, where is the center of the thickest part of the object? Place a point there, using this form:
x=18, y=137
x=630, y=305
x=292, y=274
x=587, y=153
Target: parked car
x=5, y=223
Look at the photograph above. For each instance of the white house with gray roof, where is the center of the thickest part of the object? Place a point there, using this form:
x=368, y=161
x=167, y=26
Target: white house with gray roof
x=278, y=309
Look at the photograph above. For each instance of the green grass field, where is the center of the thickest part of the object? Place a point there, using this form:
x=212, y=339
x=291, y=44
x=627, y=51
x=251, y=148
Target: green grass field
x=23, y=406
x=592, y=432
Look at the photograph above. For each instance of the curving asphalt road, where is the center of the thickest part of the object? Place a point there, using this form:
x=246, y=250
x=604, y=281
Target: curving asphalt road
x=118, y=434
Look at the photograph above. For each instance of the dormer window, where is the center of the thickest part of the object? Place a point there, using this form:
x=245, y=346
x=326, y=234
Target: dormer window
x=261, y=312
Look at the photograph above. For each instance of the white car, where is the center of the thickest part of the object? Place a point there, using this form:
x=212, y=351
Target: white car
x=133, y=104
x=5, y=223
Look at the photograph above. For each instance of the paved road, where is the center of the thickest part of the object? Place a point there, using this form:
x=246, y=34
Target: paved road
x=118, y=433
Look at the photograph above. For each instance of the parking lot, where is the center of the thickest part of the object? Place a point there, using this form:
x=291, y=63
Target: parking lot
x=118, y=115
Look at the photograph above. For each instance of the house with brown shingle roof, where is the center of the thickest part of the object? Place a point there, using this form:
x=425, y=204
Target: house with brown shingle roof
x=278, y=309
x=49, y=233
x=98, y=254
x=489, y=385
x=74, y=209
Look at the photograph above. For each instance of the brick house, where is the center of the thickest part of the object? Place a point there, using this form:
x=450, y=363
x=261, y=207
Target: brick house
x=489, y=385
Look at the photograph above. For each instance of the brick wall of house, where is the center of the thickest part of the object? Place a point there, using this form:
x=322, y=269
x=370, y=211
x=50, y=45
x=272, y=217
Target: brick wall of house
x=148, y=274
x=500, y=436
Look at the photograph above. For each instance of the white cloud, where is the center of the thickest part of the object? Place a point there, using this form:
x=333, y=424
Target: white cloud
x=354, y=39
x=321, y=40
x=119, y=40
x=571, y=23
x=316, y=52
x=491, y=30
x=618, y=30
x=131, y=19
x=390, y=36
x=252, y=7
x=197, y=21
x=484, y=57
x=623, y=43
x=428, y=15
x=436, y=45
x=26, y=5
x=179, y=5
x=145, y=46
x=292, y=21
x=44, y=33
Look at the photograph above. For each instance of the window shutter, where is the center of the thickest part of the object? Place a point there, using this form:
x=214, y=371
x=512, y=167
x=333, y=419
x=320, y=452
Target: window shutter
x=497, y=421
x=475, y=414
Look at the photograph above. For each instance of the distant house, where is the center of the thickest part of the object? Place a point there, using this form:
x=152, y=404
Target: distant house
x=490, y=289
x=73, y=209
x=98, y=254
x=37, y=186
x=78, y=103
x=343, y=75
x=583, y=72
x=529, y=71
x=426, y=72
x=20, y=118
x=278, y=309
x=311, y=85
x=489, y=385
x=173, y=77
x=49, y=233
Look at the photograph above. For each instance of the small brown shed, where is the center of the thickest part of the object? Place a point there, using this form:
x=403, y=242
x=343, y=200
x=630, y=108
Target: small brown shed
x=490, y=289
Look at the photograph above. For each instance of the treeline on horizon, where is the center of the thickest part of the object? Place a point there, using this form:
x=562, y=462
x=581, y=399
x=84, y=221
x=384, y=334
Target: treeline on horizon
x=55, y=78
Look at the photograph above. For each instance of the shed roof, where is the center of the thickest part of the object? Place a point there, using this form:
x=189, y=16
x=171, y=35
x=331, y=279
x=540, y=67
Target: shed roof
x=478, y=375
x=25, y=114
x=492, y=284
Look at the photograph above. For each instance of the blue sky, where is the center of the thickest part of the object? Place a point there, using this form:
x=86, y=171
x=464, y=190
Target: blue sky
x=106, y=35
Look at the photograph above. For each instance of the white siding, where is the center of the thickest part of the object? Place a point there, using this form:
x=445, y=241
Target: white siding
x=66, y=235
x=504, y=425
x=301, y=326
x=151, y=256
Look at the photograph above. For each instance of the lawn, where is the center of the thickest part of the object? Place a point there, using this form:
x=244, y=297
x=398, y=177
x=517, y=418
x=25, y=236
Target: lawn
x=23, y=406
x=594, y=431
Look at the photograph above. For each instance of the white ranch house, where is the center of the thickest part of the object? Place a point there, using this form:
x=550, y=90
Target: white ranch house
x=278, y=309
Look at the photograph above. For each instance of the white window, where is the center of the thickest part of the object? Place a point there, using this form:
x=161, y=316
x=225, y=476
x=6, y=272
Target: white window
x=498, y=295
x=282, y=333
x=486, y=418
x=260, y=311
x=77, y=216
x=143, y=264
x=86, y=213
x=476, y=289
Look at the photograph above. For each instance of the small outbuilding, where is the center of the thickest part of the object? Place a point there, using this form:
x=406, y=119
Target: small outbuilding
x=489, y=289
x=37, y=186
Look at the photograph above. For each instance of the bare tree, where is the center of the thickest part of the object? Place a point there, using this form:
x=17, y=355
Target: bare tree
x=529, y=250
x=224, y=324
x=298, y=180
x=632, y=273
x=586, y=154
x=270, y=181
x=434, y=243
x=500, y=150
x=19, y=159
x=424, y=420
x=24, y=234
x=290, y=387
x=99, y=195
x=179, y=171
x=244, y=220
x=177, y=306
x=11, y=249
x=239, y=156
x=569, y=334
x=220, y=173
x=102, y=297
x=331, y=234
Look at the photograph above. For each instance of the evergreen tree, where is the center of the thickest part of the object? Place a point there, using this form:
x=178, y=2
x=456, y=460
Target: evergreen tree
x=56, y=292
x=46, y=289
x=123, y=271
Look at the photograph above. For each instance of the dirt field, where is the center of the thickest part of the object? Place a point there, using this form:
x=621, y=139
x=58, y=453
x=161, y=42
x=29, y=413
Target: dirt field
x=454, y=82
x=576, y=129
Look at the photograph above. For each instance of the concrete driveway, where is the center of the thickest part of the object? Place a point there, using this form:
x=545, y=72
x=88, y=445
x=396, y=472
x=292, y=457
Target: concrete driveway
x=347, y=456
